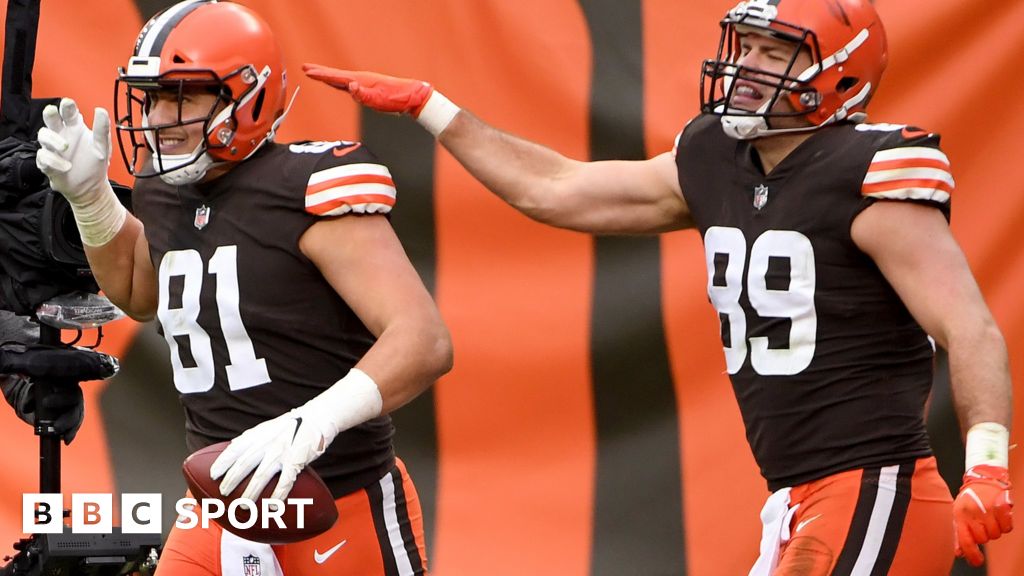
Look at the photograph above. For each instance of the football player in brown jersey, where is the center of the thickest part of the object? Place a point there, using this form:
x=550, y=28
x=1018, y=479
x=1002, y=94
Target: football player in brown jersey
x=295, y=321
x=830, y=298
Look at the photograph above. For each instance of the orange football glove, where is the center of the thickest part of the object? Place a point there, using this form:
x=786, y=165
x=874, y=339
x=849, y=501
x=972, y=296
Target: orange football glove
x=982, y=511
x=376, y=91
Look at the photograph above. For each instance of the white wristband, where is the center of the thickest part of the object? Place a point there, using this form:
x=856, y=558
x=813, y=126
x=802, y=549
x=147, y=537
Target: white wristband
x=437, y=113
x=988, y=443
x=348, y=402
x=99, y=216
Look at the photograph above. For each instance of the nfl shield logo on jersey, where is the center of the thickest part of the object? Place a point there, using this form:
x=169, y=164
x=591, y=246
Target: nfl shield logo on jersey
x=251, y=565
x=202, y=217
x=760, y=196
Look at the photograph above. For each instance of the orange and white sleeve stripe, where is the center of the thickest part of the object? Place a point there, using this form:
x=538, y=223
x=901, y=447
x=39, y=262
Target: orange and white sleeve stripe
x=911, y=173
x=360, y=188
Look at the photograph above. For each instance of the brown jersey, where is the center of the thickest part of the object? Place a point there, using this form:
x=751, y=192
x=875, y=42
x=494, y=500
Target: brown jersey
x=830, y=370
x=254, y=329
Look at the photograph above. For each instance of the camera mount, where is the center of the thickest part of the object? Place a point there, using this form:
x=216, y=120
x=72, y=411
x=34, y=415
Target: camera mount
x=44, y=258
x=73, y=554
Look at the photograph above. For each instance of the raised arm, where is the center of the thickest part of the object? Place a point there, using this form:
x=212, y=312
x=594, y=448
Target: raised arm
x=608, y=197
x=915, y=250
x=76, y=159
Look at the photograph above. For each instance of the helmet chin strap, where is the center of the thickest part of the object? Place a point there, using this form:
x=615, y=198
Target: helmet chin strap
x=751, y=125
x=743, y=127
x=748, y=127
x=280, y=120
x=184, y=169
x=178, y=169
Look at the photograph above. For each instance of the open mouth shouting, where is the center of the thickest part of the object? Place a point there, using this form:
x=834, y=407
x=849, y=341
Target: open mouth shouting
x=748, y=95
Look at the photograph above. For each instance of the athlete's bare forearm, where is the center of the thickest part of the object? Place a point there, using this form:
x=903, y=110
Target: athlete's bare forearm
x=123, y=270
x=408, y=357
x=980, y=374
x=520, y=172
x=606, y=197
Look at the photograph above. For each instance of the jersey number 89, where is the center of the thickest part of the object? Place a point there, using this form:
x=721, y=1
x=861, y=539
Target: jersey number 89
x=795, y=303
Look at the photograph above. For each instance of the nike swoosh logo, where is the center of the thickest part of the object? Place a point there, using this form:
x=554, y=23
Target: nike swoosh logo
x=803, y=524
x=908, y=133
x=341, y=151
x=321, y=558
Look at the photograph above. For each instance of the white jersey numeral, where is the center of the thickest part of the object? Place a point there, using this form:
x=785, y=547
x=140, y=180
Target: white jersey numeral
x=245, y=369
x=727, y=247
x=728, y=243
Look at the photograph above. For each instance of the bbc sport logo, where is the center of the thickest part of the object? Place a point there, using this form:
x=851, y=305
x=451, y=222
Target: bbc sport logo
x=140, y=513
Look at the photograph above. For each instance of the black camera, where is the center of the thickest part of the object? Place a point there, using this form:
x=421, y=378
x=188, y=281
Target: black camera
x=41, y=253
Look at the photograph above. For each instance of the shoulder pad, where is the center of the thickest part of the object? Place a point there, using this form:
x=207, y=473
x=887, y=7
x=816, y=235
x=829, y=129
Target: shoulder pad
x=908, y=165
x=348, y=179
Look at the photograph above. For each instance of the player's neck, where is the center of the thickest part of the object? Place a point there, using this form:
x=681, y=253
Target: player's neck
x=772, y=150
x=218, y=170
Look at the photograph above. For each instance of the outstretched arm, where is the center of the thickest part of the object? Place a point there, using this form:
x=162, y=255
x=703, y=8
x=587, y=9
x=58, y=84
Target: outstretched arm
x=608, y=197
x=913, y=247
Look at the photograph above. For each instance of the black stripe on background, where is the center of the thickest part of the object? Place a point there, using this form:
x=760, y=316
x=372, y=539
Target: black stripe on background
x=859, y=524
x=638, y=526
x=404, y=524
x=408, y=151
x=376, y=496
x=894, y=526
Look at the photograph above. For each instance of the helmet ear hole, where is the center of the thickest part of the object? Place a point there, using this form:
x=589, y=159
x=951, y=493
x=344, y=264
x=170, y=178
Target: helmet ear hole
x=178, y=59
x=257, y=106
x=846, y=83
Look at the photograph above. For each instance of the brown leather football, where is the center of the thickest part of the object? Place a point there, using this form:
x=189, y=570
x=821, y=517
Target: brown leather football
x=318, y=517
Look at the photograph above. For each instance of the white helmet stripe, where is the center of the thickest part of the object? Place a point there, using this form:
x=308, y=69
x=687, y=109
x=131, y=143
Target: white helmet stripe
x=151, y=39
x=852, y=102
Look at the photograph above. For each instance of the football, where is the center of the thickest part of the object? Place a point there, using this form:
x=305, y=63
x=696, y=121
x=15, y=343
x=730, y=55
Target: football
x=238, y=519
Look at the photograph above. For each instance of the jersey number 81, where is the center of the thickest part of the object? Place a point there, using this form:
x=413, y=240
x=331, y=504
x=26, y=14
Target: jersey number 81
x=244, y=370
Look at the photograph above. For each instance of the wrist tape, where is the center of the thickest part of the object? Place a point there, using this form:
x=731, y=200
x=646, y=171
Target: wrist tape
x=987, y=443
x=99, y=215
x=437, y=113
x=348, y=402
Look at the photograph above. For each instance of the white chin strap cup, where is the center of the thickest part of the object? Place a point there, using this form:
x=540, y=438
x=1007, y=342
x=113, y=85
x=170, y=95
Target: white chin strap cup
x=184, y=169
x=744, y=127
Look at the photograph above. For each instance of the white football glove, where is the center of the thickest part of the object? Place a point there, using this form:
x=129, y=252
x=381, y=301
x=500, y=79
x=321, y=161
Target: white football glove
x=76, y=159
x=288, y=443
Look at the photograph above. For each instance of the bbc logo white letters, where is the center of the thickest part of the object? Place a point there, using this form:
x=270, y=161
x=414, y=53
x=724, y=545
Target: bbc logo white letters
x=42, y=513
x=140, y=513
x=91, y=513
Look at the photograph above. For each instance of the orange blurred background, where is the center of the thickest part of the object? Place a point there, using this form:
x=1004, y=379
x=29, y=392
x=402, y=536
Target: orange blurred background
x=523, y=470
